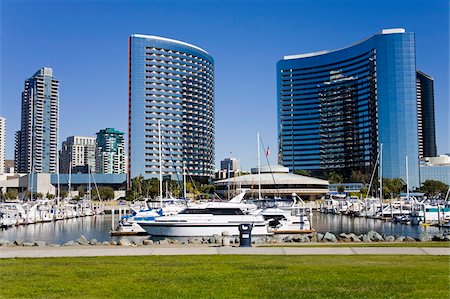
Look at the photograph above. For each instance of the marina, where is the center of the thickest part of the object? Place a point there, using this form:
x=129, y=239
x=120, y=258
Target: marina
x=98, y=227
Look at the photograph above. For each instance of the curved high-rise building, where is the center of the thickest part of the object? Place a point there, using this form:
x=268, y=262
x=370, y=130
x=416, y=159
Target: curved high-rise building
x=171, y=82
x=335, y=108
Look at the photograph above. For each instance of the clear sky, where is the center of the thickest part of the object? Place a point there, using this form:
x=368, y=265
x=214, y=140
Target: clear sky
x=86, y=44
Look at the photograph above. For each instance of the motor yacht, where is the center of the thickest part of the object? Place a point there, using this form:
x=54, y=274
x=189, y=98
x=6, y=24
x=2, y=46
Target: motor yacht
x=208, y=219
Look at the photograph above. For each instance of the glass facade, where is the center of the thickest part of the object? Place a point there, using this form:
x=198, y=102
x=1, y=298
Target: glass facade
x=36, y=142
x=171, y=82
x=335, y=108
x=426, y=120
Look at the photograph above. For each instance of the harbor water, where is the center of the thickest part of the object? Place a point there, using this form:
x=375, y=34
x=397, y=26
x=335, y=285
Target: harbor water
x=98, y=227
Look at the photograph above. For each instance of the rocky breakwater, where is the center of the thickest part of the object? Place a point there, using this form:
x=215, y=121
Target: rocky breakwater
x=226, y=240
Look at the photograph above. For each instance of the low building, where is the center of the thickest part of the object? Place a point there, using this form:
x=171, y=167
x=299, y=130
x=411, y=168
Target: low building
x=46, y=183
x=275, y=181
x=435, y=168
x=348, y=187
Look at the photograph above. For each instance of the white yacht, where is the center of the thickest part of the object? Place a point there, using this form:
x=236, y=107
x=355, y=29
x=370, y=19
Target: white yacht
x=208, y=219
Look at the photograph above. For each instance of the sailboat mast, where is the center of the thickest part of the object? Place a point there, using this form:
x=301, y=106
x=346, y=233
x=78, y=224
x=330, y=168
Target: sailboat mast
x=160, y=164
x=259, y=169
x=381, y=172
x=184, y=179
x=407, y=179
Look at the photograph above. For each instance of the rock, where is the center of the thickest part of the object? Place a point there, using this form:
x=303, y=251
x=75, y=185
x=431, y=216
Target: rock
x=148, y=242
x=365, y=238
x=196, y=240
x=163, y=242
x=105, y=243
x=374, y=236
x=355, y=238
x=217, y=239
x=93, y=242
x=211, y=240
x=174, y=242
x=319, y=237
x=70, y=243
x=18, y=242
x=4, y=242
x=113, y=243
x=399, y=238
x=344, y=236
x=389, y=238
x=447, y=238
x=54, y=245
x=225, y=233
x=124, y=242
x=137, y=242
x=329, y=237
x=439, y=237
x=39, y=243
x=409, y=239
x=287, y=239
x=305, y=239
x=82, y=240
x=28, y=244
x=424, y=237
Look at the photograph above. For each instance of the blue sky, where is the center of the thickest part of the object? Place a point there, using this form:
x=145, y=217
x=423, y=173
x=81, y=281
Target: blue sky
x=86, y=43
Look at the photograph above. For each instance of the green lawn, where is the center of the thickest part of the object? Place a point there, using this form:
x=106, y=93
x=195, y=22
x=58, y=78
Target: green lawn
x=227, y=277
x=353, y=244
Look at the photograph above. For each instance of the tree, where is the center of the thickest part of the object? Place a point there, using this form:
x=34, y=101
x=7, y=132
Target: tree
x=302, y=172
x=335, y=178
x=39, y=195
x=396, y=186
x=340, y=189
x=12, y=194
x=357, y=176
x=50, y=196
x=434, y=188
x=106, y=193
x=64, y=194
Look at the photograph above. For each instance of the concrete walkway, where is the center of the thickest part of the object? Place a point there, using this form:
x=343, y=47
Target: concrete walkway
x=83, y=251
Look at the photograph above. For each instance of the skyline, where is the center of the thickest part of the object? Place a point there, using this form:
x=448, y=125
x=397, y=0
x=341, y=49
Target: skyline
x=245, y=61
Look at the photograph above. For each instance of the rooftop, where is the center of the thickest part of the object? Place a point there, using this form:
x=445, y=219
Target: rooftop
x=168, y=40
x=311, y=54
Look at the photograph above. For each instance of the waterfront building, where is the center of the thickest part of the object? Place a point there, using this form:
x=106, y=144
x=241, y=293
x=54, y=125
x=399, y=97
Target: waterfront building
x=77, y=152
x=2, y=144
x=171, y=82
x=425, y=114
x=110, y=152
x=9, y=166
x=228, y=168
x=275, y=181
x=36, y=142
x=435, y=168
x=335, y=108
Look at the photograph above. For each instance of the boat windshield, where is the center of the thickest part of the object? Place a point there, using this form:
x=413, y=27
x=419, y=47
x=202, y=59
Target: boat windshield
x=228, y=211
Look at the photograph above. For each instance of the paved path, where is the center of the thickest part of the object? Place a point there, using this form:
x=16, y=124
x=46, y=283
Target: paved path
x=36, y=252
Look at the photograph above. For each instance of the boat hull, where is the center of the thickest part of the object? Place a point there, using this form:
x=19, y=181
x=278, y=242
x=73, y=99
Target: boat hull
x=200, y=229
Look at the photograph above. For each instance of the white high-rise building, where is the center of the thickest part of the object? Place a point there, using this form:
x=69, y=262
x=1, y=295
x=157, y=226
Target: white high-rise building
x=2, y=143
x=77, y=152
x=36, y=142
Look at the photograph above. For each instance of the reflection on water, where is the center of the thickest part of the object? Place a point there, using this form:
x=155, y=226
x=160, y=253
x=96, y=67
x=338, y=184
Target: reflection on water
x=98, y=227
x=359, y=225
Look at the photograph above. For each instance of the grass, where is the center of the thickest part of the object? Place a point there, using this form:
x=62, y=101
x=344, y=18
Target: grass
x=227, y=277
x=353, y=244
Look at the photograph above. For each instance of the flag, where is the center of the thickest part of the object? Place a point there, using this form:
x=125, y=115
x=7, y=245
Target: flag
x=267, y=152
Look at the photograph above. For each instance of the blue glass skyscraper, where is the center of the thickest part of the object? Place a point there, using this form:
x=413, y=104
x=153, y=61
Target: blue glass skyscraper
x=170, y=82
x=335, y=108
